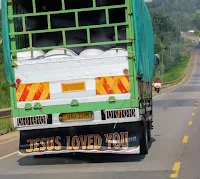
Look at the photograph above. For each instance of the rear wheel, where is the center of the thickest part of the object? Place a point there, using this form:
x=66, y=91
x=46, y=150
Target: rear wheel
x=144, y=145
x=149, y=131
x=149, y=135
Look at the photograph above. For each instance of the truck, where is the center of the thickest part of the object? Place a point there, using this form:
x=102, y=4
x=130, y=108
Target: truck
x=80, y=75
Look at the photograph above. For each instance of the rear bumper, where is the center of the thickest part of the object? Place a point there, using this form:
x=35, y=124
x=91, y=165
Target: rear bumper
x=81, y=107
x=122, y=139
x=98, y=119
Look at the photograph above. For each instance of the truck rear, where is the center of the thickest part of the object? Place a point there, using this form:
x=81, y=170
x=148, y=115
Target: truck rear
x=80, y=75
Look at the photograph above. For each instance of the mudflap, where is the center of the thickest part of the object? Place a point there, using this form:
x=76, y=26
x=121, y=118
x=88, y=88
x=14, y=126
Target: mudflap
x=124, y=138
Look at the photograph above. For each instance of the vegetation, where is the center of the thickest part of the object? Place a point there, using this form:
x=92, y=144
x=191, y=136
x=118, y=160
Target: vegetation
x=170, y=18
x=5, y=125
x=176, y=70
x=185, y=14
x=4, y=88
x=197, y=33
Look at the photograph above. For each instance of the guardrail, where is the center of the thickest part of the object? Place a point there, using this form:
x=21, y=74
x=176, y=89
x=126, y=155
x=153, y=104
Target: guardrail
x=5, y=121
x=173, y=83
x=5, y=113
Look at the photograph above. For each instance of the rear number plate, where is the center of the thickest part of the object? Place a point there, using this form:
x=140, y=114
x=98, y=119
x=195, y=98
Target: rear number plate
x=123, y=113
x=76, y=116
x=31, y=121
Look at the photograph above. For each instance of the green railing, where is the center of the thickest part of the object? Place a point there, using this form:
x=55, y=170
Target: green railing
x=22, y=39
x=18, y=32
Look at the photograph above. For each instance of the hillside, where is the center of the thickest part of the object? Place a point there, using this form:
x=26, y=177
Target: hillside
x=185, y=13
x=170, y=18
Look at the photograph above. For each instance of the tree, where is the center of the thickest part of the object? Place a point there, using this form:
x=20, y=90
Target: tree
x=196, y=20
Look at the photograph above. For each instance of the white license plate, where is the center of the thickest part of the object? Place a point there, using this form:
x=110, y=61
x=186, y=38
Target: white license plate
x=32, y=120
x=122, y=113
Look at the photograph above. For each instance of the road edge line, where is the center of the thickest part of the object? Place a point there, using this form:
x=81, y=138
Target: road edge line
x=6, y=156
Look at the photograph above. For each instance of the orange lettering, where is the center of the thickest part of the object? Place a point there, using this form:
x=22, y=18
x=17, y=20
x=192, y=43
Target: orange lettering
x=68, y=143
x=75, y=143
x=50, y=143
x=36, y=145
x=42, y=142
x=58, y=147
x=97, y=141
x=108, y=139
x=90, y=141
x=83, y=141
x=124, y=139
x=116, y=139
x=31, y=146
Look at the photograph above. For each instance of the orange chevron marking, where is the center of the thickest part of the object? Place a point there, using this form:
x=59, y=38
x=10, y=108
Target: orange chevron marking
x=112, y=85
x=35, y=91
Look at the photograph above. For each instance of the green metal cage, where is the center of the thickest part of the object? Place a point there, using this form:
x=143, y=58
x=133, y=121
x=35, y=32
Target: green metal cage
x=138, y=41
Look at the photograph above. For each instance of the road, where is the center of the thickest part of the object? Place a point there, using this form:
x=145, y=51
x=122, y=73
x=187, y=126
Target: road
x=175, y=145
x=189, y=36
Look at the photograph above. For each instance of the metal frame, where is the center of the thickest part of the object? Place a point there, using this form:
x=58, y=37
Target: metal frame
x=116, y=104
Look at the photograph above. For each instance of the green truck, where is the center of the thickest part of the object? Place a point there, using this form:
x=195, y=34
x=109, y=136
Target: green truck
x=80, y=75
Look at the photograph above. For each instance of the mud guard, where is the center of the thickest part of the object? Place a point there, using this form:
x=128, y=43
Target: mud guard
x=123, y=139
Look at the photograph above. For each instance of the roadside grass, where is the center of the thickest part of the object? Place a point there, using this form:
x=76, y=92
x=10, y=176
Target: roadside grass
x=4, y=90
x=5, y=125
x=176, y=70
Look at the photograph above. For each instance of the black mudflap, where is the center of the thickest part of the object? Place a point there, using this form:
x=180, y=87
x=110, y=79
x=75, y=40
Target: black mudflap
x=123, y=139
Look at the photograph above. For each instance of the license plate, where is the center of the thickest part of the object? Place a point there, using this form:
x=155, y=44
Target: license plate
x=76, y=116
x=123, y=113
x=31, y=120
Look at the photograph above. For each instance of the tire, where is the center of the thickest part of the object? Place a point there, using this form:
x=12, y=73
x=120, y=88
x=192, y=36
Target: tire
x=149, y=135
x=149, y=130
x=144, y=145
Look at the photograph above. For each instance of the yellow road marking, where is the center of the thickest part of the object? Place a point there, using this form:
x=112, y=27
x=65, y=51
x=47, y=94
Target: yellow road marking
x=6, y=156
x=185, y=139
x=196, y=103
x=176, y=168
x=190, y=123
x=197, y=100
x=195, y=107
x=193, y=114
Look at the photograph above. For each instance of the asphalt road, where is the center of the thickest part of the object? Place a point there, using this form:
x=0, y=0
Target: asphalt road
x=174, y=148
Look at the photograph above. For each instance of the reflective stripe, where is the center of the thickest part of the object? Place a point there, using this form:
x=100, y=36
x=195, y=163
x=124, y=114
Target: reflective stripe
x=112, y=85
x=35, y=91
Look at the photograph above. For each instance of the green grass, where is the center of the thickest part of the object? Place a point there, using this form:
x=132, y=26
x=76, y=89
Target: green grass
x=4, y=90
x=5, y=125
x=197, y=33
x=176, y=70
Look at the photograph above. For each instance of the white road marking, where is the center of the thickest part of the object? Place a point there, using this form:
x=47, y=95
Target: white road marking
x=9, y=141
x=6, y=156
